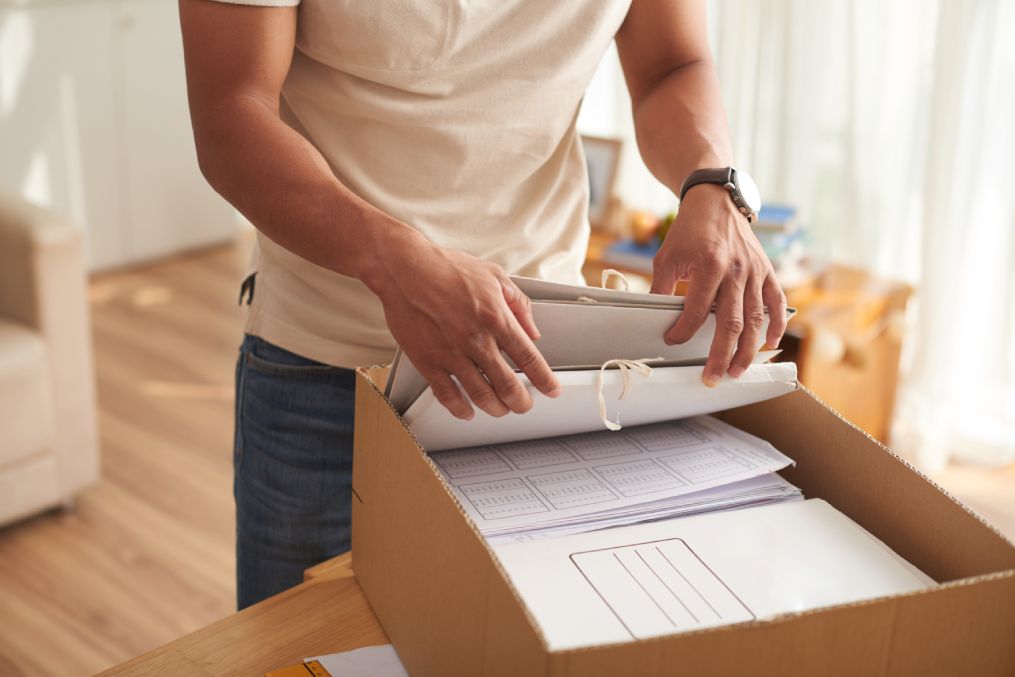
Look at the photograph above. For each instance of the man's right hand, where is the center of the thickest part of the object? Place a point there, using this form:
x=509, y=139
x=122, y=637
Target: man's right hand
x=453, y=315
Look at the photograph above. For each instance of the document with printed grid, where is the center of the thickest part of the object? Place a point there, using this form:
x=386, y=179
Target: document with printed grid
x=573, y=483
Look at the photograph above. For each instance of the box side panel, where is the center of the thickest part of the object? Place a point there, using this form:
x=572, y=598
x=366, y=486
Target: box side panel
x=512, y=647
x=844, y=466
x=963, y=630
x=408, y=549
x=841, y=643
x=644, y=659
x=426, y=573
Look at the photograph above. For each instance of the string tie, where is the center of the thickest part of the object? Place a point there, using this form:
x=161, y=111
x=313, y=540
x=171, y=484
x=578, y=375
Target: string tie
x=609, y=273
x=626, y=367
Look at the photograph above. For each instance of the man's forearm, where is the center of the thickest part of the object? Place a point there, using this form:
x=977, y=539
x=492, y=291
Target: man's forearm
x=681, y=124
x=283, y=185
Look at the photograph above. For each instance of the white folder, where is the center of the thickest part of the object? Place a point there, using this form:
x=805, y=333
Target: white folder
x=578, y=334
x=691, y=573
x=544, y=290
x=667, y=393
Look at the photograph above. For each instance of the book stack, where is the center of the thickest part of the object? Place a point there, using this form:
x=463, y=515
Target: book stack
x=784, y=240
x=777, y=227
x=630, y=255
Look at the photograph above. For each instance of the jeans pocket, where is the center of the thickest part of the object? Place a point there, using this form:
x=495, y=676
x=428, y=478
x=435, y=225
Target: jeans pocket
x=296, y=422
x=272, y=360
x=238, y=412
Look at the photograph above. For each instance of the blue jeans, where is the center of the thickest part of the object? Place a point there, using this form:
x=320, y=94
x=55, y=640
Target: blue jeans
x=293, y=467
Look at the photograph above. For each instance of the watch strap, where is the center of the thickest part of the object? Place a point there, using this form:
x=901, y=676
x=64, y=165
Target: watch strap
x=719, y=175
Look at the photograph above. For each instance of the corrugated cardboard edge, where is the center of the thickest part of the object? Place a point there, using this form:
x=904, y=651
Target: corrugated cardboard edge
x=891, y=455
x=453, y=497
x=786, y=617
x=916, y=470
x=498, y=609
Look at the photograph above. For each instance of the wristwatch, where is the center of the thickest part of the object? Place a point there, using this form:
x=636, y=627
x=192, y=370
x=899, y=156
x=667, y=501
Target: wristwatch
x=740, y=185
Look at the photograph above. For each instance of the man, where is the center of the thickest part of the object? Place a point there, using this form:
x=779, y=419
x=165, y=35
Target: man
x=400, y=159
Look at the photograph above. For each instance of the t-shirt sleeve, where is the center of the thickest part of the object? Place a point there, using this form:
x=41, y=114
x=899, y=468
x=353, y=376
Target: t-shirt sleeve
x=263, y=3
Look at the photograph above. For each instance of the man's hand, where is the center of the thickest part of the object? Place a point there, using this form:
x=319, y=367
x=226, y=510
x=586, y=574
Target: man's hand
x=712, y=246
x=453, y=314
x=681, y=126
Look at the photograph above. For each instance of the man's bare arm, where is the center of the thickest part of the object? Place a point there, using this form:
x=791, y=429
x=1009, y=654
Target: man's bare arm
x=452, y=313
x=237, y=58
x=681, y=126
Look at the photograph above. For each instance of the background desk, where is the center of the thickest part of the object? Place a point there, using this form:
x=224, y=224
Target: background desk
x=327, y=613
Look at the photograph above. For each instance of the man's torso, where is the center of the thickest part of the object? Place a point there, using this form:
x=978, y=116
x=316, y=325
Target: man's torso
x=456, y=118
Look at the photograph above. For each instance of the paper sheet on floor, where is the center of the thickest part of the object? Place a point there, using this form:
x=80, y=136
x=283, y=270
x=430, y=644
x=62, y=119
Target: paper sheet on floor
x=370, y=661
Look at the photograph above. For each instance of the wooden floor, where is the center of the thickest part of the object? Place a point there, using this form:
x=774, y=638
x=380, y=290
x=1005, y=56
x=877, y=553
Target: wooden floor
x=148, y=554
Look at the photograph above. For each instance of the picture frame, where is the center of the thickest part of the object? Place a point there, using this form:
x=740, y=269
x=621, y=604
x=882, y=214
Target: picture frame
x=602, y=161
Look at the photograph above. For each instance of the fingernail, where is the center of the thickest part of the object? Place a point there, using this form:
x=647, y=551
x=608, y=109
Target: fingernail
x=736, y=372
x=710, y=380
x=555, y=392
x=669, y=341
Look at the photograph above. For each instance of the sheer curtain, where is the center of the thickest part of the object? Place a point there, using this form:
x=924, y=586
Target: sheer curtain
x=891, y=125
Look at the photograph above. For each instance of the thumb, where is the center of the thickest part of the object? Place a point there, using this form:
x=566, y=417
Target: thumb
x=521, y=308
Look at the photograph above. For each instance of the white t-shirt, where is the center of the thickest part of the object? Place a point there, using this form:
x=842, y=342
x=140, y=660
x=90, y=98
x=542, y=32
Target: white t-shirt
x=456, y=117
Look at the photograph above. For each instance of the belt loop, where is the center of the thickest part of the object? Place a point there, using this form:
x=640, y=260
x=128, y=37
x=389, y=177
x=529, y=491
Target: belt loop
x=247, y=288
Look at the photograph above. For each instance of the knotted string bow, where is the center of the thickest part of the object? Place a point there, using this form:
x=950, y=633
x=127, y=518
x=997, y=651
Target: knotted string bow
x=625, y=366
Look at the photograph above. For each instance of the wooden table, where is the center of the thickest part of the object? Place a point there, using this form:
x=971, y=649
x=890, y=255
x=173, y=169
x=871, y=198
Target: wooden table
x=327, y=613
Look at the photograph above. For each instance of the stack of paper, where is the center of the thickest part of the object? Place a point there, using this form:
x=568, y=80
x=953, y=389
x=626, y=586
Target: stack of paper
x=575, y=483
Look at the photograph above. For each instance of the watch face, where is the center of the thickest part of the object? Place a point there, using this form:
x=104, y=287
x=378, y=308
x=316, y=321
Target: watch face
x=748, y=190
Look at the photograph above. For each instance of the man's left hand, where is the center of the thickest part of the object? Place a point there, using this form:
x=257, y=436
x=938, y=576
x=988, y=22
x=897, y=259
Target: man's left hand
x=712, y=246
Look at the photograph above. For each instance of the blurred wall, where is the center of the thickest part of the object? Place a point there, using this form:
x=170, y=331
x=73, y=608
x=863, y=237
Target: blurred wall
x=94, y=124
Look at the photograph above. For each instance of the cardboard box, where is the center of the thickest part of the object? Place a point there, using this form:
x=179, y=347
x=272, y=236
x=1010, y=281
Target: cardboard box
x=449, y=609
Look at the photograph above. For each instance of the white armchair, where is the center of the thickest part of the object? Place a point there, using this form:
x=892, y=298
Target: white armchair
x=48, y=434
